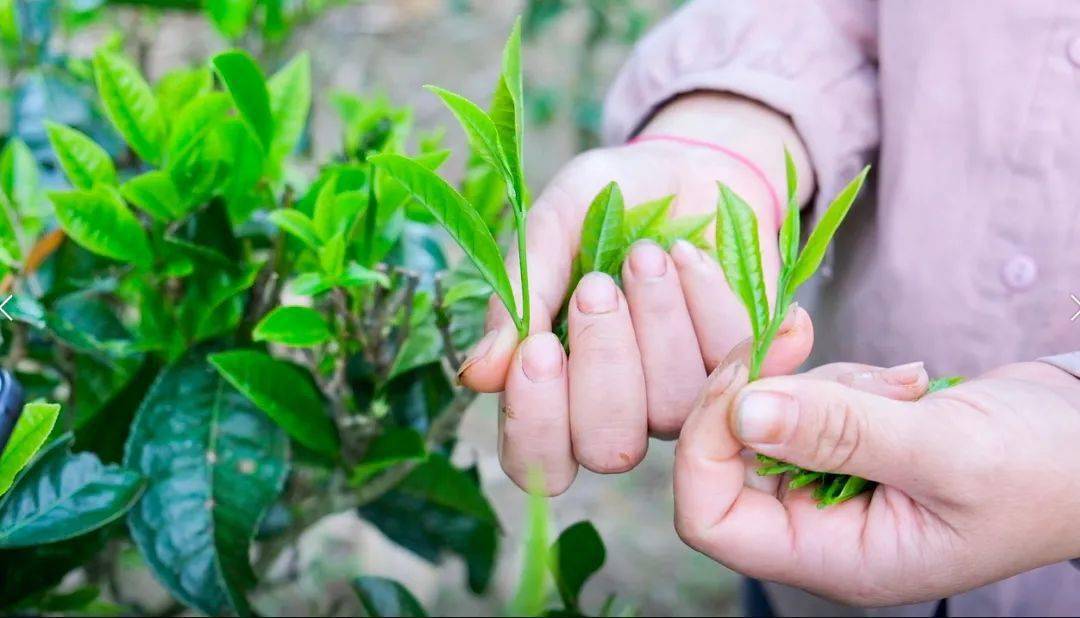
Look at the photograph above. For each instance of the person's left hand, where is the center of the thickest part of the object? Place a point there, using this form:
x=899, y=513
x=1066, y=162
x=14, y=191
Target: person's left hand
x=979, y=481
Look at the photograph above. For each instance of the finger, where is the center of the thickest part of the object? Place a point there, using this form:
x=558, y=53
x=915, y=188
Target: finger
x=719, y=319
x=790, y=348
x=534, y=418
x=905, y=382
x=822, y=425
x=674, y=372
x=715, y=512
x=608, y=422
x=549, y=258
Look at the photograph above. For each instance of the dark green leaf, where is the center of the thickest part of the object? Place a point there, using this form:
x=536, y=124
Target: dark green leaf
x=130, y=104
x=62, y=496
x=293, y=326
x=458, y=217
x=602, y=239
x=246, y=84
x=395, y=445
x=84, y=162
x=739, y=252
x=215, y=463
x=386, y=598
x=423, y=346
x=34, y=425
x=30, y=571
x=819, y=239
x=100, y=221
x=578, y=553
x=285, y=393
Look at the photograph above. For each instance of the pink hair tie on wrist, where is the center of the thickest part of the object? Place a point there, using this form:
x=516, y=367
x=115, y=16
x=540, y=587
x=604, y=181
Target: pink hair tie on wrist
x=741, y=158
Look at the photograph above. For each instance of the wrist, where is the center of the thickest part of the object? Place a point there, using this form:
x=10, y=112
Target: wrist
x=755, y=131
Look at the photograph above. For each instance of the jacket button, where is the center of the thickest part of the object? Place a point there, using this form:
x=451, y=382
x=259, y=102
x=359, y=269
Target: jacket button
x=1019, y=272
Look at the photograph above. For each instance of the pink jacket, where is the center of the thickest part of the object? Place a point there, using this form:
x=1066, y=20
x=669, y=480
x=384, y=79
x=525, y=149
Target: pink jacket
x=970, y=112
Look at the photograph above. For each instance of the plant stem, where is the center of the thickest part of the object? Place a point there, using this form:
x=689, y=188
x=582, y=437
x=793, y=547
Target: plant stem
x=523, y=265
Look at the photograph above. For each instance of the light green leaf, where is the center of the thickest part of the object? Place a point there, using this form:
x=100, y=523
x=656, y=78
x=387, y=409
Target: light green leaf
x=34, y=425
x=359, y=276
x=533, y=584
x=286, y=395
x=310, y=284
x=393, y=446
x=423, y=346
x=83, y=161
x=298, y=225
x=467, y=289
x=63, y=496
x=214, y=464
x=290, y=102
x=130, y=104
x=293, y=326
x=819, y=239
x=100, y=221
x=332, y=255
x=19, y=177
x=247, y=86
x=647, y=220
x=324, y=215
x=179, y=87
x=602, y=239
x=479, y=128
x=690, y=228
x=193, y=124
x=939, y=384
x=789, y=230
x=507, y=113
x=458, y=218
x=739, y=253
x=9, y=22
x=386, y=598
x=155, y=194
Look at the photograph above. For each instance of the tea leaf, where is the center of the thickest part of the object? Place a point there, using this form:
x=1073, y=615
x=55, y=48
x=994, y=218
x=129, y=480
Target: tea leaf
x=386, y=598
x=602, y=240
x=284, y=392
x=479, y=128
x=458, y=217
x=155, y=194
x=296, y=224
x=577, y=554
x=290, y=102
x=789, y=229
x=507, y=113
x=64, y=495
x=293, y=326
x=690, y=228
x=939, y=384
x=247, y=86
x=214, y=464
x=34, y=425
x=130, y=104
x=19, y=177
x=101, y=222
x=83, y=161
x=646, y=220
x=819, y=240
x=179, y=87
x=739, y=252
x=196, y=120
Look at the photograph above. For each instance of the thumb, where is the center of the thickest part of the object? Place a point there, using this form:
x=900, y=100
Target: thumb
x=829, y=427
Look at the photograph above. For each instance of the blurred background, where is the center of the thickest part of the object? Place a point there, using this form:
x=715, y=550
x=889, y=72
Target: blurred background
x=573, y=49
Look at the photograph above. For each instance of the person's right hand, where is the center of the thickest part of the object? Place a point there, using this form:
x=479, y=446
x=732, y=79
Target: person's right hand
x=639, y=355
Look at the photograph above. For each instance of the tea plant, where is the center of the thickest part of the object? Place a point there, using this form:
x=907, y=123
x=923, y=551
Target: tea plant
x=240, y=350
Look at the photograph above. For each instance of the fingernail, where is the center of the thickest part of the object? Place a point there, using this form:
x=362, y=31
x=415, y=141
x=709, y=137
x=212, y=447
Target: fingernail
x=903, y=375
x=596, y=294
x=765, y=417
x=647, y=259
x=684, y=252
x=541, y=357
x=790, y=320
x=479, y=351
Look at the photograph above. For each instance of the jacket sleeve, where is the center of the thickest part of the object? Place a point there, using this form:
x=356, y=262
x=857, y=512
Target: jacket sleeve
x=812, y=60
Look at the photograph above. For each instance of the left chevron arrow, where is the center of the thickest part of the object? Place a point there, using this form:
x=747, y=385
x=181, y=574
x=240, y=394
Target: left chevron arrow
x=6, y=315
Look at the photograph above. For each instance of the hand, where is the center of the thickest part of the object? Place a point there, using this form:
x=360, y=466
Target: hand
x=639, y=354
x=978, y=481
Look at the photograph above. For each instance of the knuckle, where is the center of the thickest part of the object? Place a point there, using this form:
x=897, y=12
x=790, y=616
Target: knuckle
x=839, y=434
x=689, y=529
x=610, y=456
x=597, y=337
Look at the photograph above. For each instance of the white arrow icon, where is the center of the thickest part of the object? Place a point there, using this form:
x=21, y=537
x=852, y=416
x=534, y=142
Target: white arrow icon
x=1072, y=296
x=6, y=315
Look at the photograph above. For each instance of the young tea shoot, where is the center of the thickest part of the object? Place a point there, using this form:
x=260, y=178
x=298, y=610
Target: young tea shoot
x=495, y=136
